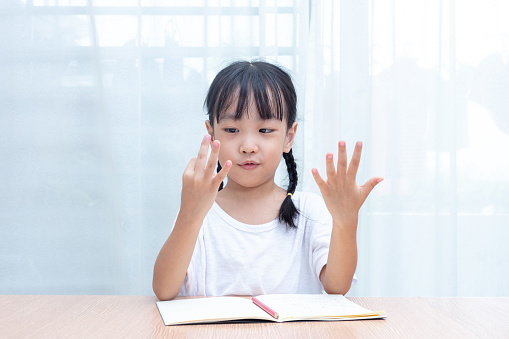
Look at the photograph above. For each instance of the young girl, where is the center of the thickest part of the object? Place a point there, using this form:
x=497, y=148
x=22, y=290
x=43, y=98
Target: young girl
x=253, y=237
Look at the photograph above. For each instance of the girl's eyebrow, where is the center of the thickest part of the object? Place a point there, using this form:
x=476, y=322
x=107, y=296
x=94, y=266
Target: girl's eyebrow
x=232, y=116
x=228, y=116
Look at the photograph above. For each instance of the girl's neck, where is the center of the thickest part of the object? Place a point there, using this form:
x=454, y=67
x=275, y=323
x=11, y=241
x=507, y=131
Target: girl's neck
x=234, y=191
x=253, y=206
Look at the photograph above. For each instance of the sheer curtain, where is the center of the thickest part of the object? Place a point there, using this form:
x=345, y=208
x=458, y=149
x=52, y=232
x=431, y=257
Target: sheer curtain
x=101, y=105
x=424, y=84
x=101, y=112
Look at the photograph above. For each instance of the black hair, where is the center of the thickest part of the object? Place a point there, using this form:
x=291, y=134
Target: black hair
x=273, y=92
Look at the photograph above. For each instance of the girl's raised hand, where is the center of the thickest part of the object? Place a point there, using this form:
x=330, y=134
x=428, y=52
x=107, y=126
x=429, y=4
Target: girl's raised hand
x=340, y=192
x=199, y=184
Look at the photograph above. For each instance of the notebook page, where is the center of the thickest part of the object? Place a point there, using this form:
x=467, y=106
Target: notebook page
x=313, y=306
x=209, y=310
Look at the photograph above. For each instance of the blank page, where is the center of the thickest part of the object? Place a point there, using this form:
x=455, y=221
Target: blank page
x=313, y=306
x=209, y=310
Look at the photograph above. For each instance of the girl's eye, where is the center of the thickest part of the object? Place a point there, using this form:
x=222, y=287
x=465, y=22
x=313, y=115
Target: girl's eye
x=231, y=130
x=266, y=130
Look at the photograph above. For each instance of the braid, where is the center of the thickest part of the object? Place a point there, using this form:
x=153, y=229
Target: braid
x=219, y=170
x=288, y=212
x=292, y=171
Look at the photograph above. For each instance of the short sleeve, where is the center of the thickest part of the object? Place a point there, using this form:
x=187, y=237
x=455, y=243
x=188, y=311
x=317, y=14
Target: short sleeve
x=319, y=228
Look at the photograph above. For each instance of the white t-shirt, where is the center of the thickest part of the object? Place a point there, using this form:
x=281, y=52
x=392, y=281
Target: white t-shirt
x=233, y=258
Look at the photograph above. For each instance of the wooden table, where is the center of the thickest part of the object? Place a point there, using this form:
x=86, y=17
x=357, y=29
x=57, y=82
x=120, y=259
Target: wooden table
x=137, y=317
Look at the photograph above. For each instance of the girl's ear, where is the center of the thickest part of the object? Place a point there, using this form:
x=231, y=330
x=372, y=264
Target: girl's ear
x=210, y=129
x=290, y=136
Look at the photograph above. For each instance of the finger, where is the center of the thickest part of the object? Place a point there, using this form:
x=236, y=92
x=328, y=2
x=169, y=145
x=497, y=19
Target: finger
x=355, y=161
x=189, y=171
x=190, y=165
x=202, y=153
x=369, y=185
x=342, y=159
x=211, y=163
x=222, y=174
x=331, y=171
x=322, y=185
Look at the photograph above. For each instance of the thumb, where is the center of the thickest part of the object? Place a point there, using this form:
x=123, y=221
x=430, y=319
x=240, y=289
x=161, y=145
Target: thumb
x=369, y=185
x=222, y=174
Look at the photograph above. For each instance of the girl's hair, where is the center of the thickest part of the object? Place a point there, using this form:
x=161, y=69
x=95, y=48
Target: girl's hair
x=273, y=92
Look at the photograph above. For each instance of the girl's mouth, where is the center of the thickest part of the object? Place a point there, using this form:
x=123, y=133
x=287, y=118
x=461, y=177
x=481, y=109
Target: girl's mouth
x=249, y=165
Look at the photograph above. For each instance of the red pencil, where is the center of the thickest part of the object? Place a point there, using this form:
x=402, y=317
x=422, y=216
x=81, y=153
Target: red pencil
x=266, y=308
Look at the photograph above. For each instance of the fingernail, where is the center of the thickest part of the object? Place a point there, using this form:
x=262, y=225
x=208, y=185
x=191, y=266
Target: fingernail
x=314, y=171
x=359, y=144
x=342, y=143
x=329, y=155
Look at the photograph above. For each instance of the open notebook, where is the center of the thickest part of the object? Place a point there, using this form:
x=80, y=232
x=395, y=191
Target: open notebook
x=270, y=307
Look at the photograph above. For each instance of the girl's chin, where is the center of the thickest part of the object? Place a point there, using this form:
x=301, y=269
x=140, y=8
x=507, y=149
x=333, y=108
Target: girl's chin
x=249, y=184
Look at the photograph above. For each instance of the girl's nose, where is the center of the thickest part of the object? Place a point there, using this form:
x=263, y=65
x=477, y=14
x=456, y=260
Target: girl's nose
x=248, y=146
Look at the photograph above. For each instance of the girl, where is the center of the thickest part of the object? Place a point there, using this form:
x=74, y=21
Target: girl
x=253, y=237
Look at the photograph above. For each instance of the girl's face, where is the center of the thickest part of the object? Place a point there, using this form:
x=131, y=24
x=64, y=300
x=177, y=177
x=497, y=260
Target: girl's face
x=255, y=146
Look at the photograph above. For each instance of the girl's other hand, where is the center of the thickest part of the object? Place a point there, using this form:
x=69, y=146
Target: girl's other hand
x=199, y=184
x=340, y=192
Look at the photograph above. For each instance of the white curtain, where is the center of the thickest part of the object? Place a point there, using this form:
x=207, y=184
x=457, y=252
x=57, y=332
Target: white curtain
x=101, y=109
x=425, y=85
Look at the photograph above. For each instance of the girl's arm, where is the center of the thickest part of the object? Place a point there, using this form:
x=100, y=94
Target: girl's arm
x=199, y=190
x=343, y=198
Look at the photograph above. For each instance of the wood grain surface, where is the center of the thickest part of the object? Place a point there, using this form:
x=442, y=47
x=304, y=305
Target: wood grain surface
x=46, y=316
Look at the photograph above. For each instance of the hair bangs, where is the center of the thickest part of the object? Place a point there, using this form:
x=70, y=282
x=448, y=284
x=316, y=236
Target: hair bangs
x=248, y=84
x=267, y=97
